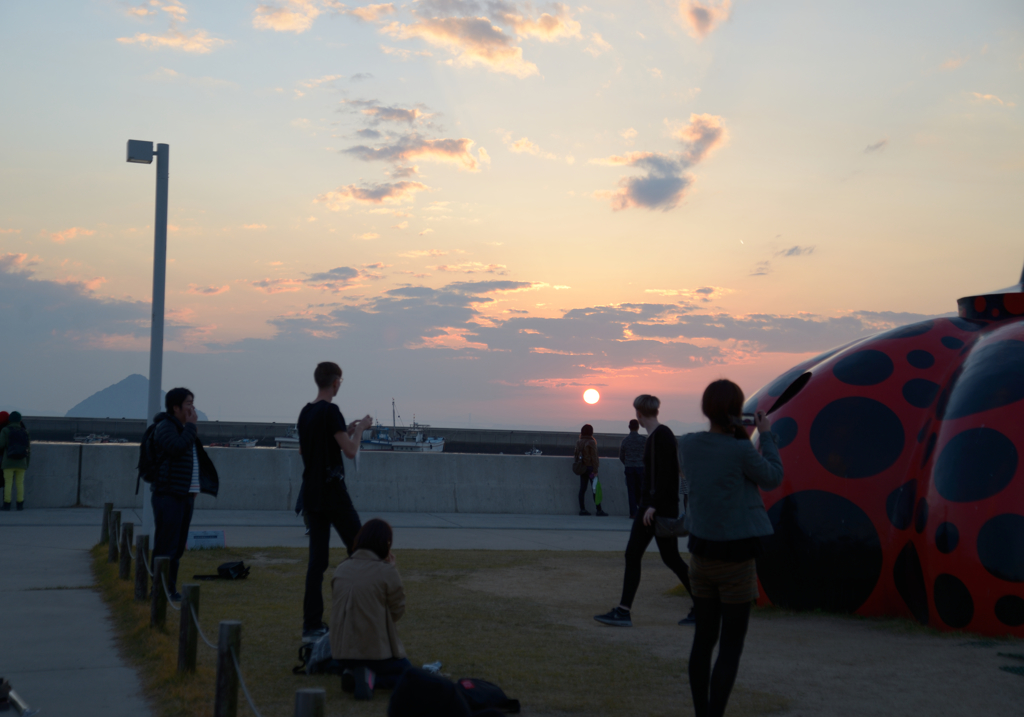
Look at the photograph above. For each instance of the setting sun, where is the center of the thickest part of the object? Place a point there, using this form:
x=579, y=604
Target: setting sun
x=591, y=396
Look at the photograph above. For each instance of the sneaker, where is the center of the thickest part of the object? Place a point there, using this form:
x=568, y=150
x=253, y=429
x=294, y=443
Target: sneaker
x=21, y=505
x=314, y=634
x=348, y=681
x=617, y=617
x=364, y=678
x=582, y=512
x=602, y=513
x=689, y=619
x=175, y=596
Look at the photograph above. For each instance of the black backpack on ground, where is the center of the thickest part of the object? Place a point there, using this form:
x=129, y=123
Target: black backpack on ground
x=481, y=695
x=421, y=694
x=235, y=570
x=17, y=442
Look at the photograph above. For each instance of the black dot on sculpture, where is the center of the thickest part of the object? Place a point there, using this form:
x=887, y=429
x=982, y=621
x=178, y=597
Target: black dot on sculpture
x=952, y=342
x=920, y=359
x=929, y=449
x=966, y=324
x=953, y=601
x=863, y=368
x=779, y=386
x=947, y=537
x=1001, y=547
x=975, y=464
x=899, y=506
x=786, y=430
x=923, y=432
x=919, y=392
x=1010, y=610
x=824, y=553
x=990, y=378
x=921, y=516
x=909, y=331
x=856, y=437
x=908, y=577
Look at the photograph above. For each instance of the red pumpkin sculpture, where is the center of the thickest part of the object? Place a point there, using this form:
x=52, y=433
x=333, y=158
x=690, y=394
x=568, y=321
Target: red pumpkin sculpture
x=904, y=488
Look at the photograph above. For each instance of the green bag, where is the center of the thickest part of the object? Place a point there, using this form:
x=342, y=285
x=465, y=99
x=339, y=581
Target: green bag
x=595, y=485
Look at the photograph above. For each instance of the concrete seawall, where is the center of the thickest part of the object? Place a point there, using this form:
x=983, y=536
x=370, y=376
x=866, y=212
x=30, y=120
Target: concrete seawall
x=64, y=475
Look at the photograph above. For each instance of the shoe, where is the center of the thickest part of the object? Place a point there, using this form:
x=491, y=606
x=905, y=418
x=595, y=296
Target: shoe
x=689, y=619
x=314, y=634
x=175, y=596
x=21, y=505
x=364, y=678
x=582, y=512
x=348, y=681
x=617, y=617
x=7, y=506
x=602, y=513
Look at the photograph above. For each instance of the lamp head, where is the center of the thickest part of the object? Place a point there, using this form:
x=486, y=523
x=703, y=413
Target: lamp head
x=140, y=152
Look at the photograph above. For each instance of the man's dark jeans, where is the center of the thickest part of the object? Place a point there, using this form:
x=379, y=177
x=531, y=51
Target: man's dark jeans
x=340, y=513
x=634, y=479
x=172, y=515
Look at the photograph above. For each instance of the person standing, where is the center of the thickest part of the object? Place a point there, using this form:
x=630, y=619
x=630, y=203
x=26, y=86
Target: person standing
x=185, y=472
x=323, y=436
x=726, y=519
x=586, y=450
x=16, y=448
x=5, y=417
x=631, y=453
x=659, y=497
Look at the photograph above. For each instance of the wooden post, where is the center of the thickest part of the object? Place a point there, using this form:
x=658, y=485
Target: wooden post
x=310, y=702
x=115, y=535
x=226, y=700
x=125, y=566
x=158, y=608
x=141, y=574
x=188, y=635
x=105, y=532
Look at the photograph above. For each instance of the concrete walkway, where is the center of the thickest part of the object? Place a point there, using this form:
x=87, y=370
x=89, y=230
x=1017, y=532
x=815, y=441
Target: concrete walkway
x=57, y=646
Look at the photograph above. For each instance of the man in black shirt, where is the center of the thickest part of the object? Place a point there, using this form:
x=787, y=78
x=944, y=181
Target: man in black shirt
x=659, y=497
x=323, y=436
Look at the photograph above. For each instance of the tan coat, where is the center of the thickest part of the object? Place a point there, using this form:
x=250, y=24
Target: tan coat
x=368, y=599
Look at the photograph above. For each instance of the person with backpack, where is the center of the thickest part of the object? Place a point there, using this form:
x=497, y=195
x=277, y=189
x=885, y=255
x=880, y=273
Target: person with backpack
x=177, y=472
x=586, y=451
x=323, y=436
x=16, y=448
x=659, y=497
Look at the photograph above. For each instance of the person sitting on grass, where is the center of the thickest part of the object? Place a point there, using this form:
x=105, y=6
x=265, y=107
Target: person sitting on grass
x=368, y=599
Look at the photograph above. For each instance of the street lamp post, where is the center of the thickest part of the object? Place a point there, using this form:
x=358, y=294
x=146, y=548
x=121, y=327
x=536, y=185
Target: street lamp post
x=141, y=152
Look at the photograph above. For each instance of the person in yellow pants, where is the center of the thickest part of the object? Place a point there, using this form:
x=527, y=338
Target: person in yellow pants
x=16, y=449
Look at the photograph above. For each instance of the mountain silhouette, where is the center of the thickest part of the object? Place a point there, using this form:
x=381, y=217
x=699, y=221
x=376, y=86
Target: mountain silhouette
x=125, y=399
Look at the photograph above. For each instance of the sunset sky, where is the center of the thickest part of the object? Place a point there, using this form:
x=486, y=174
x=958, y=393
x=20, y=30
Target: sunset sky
x=482, y=209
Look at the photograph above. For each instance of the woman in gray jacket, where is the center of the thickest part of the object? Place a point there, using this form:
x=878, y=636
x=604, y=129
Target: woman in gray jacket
x=726, y=518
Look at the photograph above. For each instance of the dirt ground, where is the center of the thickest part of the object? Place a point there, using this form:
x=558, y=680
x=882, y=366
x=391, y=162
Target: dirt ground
x=821, y=665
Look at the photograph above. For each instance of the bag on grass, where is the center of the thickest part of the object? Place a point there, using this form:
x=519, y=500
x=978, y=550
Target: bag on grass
x=481, y=695
x=227, y=571
x=314, y=657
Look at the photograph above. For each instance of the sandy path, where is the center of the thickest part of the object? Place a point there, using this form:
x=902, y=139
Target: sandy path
x=822, y=665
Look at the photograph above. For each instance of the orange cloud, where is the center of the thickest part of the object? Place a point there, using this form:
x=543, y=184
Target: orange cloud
x=414, y=147
x=10, y=231
x=367, y=236
x=198, y=41
x=63, y=236
x=472, y=267
x=385, y=193
x=372, y=13
x=292, y=16
x=207, y=290
x=704, y=134
x=546, y=27
x=277, y=286
x=525, y=146
x=415, y=254
x=598, y=45
x=992, y=99
x=472, y=40
x=254, y=226
x=701, y=17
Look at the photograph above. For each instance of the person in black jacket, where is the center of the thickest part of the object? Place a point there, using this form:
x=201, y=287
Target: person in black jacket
x=185, y=471
x=659, y=496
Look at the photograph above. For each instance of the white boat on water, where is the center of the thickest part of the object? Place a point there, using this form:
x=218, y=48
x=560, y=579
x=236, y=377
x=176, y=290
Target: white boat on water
x=291, y=441
x=412, y=439
x=243, y=443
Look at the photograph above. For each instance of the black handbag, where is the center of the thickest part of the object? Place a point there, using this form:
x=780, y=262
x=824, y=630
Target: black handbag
x=667, y=527
x=227, y=571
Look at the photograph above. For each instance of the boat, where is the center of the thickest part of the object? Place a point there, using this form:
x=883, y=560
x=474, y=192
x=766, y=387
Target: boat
x=91, y=438
x=243, y=442
x=535, y=452
x=412, y=439
x=291, y=441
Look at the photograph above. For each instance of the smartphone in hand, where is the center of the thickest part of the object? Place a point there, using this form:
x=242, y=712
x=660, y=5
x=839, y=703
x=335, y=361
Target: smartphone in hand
x=749, y=419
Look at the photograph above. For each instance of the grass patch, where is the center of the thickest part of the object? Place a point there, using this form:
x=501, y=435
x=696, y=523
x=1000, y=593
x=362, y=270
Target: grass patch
x=521, y=619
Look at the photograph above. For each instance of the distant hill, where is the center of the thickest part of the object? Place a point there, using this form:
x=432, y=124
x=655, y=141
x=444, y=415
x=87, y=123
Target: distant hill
x=125, y=399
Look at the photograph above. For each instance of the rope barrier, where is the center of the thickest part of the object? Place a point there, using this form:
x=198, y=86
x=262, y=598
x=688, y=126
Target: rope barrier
x=130, y=553
x=168, y=594
x=145, y=561
x=238, y=671
x=195, y=621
